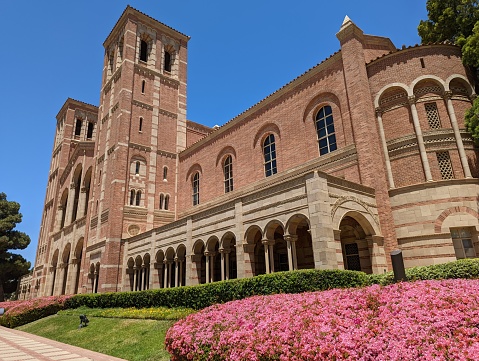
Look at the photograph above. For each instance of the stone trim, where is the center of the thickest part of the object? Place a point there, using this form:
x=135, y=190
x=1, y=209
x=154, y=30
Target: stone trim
x=139, y=147
x=435, y=184
x=142, y=105
x=96, y=246
x=458, y=209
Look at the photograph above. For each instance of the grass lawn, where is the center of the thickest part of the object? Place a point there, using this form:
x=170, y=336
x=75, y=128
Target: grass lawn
x=130, y=339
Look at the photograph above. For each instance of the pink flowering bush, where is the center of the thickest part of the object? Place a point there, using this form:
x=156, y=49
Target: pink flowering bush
x=423, y=320
x=18, y=313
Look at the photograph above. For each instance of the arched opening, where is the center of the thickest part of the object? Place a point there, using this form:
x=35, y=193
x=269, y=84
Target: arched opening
x=97, y=276
x=301, y=245
x=181, y=265
x=146, y=272
x=138, y=273
x=356, y=256
x=213, y=260
x=131, y=273
x=170, y=268
x=199, y=260
x=53, y=271
x=78, y=256
x=254, y=238
x=77, y=184
x=62, y=208
x=229, y=251
x=87, y=184
x=66, y=264
x=160, y=267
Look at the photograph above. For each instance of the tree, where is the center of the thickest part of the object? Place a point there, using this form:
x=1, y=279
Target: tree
x=456, y=21
x=12, y=266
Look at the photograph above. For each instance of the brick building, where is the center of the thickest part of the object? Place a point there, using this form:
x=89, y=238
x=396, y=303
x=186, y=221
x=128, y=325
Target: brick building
x=362, y=154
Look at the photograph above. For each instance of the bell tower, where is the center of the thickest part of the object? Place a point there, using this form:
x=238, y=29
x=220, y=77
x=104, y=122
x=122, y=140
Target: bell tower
x=141, y=129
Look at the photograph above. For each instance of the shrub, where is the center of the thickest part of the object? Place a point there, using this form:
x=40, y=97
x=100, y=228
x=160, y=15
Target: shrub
x=201, y=296
x=464, y=268
x=18, y=313
x=424, y=320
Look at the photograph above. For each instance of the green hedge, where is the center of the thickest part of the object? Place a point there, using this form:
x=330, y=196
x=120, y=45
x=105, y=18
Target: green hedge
x=29, y=315
x=464, y=268
x=200, y=296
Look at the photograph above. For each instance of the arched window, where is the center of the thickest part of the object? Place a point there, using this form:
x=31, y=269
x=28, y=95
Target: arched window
x=138, y=198
x=269, y=151
x=78, y=126
x=167, y=66
x=325, y=130
x=196, y=188
x=162, y=200
x=137, y=167
x=167, y=201
x=143, y=83
x=165, y=173
x=143, y=50
x=132, y=197
x=89, y=133
x=228, y=173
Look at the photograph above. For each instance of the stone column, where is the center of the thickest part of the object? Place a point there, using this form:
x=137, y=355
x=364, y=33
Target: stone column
x=195, y=262
x=135, y=278
x=207, y=256
x=266, y=254
x=181, y=273
x=222, y=253
x=59, y=279
x=95, y=279
x=177, y=273
x=165, y=274
x=377, y=254
x=248, y=255
x=420, y=139
x=81, y=203
x=58, y=219
x=339, y=249
x=271, y=255
x=384, y=145
x=159, y=272
x=457, y=135
x=71, y=201
x=319, y=207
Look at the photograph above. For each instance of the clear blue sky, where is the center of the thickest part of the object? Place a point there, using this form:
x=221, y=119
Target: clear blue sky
x=239, y=52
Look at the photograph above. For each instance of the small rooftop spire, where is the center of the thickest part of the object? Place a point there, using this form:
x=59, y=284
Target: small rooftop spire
x=346, y=20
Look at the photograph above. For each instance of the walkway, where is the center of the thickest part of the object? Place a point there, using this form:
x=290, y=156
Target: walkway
x=21, y=346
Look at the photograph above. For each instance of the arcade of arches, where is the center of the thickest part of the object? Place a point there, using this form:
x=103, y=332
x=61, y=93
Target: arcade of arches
x=275, y=248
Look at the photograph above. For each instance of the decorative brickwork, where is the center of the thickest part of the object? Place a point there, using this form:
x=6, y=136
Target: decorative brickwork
x=306, y=178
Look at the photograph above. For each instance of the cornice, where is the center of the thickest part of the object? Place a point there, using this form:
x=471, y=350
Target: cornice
x=145, y=19
x=427, y=185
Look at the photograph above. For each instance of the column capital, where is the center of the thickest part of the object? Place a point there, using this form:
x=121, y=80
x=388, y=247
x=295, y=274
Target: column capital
x=290, y=237
x=269, y=242
x=337, y=234
x=447, y=94
x=473, y=96
x=72, y=186
x=411, y=99
x=379, y=111
x=83, y=189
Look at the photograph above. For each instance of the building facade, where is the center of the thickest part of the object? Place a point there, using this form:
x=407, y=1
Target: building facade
x=360, y=155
